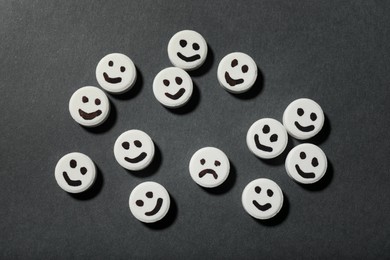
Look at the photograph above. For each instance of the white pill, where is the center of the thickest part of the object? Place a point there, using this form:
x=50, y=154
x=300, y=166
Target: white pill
x=134, y=150
x=209, y=167
x=75, y=172
x=262, y=198
x=187, y=50
x=267, y=138
x=237, y=72
x=89, y=106
x=303, y=118
x=172, y=87
x=306, y=163
x=116, y=73
x=149, y=202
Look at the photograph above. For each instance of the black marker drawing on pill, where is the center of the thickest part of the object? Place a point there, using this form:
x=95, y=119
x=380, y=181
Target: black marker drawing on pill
x=73, y=183
x=232, y=82
x=273, y=138
x=202, y=173
x=266, y=206
x=137, y=159
x=157, y=207
x=195, y=46
x=92, y=115
x=308, y=128
x=306, y=175
x=179, y=93
x=116, y=79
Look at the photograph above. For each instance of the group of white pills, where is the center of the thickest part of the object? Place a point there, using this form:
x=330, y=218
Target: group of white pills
x=209, y=167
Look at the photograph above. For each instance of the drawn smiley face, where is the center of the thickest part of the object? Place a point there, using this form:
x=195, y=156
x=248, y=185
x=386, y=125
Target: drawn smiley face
x=134, y=150
x=75, y=172
x=267, y=138
x=209, y=167
x=116, y=73
x=262, y=198
x=306, y=163
x=187, y=50
x=172, y=87
x=303, y=118
x=89, y=106
x=149, y=202
x=237, y=72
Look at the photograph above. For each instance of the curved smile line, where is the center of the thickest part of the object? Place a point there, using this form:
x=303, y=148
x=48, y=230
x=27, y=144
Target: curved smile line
x=89, y=116
x=188, y=59
x=71, y=182
x=136, y=159
x=177, y=95
x=306, y=175
x=156, y=208
x=112, y=80
x=210, y=171
x=261, y=146
x=264, y=207
x=232, y=82
x=304, y=128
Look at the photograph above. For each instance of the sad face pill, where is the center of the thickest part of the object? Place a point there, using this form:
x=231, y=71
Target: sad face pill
x=75, y=172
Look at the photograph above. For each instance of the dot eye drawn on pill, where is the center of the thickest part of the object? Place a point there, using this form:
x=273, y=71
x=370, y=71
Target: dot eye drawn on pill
x=231, y=81
x=126, y=145
x=266, y=206
x=115, y=80
x=157, y=207
x=309, y=128
x=179, y=93
x=69, y=181
x=273, y=138
x=303, y=174
x=195, y=47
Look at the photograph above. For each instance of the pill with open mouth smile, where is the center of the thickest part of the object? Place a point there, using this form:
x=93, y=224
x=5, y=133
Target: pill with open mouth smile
x=172, y=87
x=89, y=106
x=149, y=202
x=134, y=150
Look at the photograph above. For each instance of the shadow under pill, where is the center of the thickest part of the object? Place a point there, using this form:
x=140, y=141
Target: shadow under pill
x=206, y=66
x=281, y=158
x=226, y=185
x=168, y=219
x=94, y=190
x=280, y=217
x=190, y=106
x=135, y=89
x=106, y=125
x=323, y=182
x=255, y=90
x=152, y=168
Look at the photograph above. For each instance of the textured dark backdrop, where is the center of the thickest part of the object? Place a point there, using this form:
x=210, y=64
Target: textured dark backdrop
x=335, y=52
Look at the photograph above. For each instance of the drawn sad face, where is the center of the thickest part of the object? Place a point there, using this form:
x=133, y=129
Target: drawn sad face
x=303, y=118
x=149, y=202
x=267, y=138
x=237, y=72
x=172, y=87
x=134, y=150
x=262, y=198
x=306, y=163
x=89, y=106
x=187, y=50
x=75, y=172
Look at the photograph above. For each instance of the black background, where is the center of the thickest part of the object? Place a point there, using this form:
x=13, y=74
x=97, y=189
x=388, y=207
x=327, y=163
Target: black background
x=335, y=52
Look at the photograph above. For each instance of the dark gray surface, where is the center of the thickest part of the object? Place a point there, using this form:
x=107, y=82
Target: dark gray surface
x=335, y=52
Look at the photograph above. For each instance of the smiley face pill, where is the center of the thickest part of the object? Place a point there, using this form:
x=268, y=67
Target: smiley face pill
x=75, y=172
x=89, y=106
x=149, y=202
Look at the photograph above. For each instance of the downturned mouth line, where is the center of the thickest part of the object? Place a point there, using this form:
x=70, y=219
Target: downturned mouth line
x=89, y=116
x=304, y=128
x=112, y=80
x=232, y=82
x=264, y=207
x=188, y=59
x=176, y=96
x=208, y=171
x=306, y=175
x=71, y=182
x=136, y=159
x=156, y=208
x=261, y=146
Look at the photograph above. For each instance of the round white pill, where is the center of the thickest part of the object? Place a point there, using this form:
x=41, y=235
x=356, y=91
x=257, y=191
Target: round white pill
x=237, y=72
x=89, y=106
x=149, y=202
x=116, y=73
x=267, y=138
x=187, y=50
x=172, y=87
x=75, y=172
x=306, y=163
x=134, y=150
x=209, y=167
x=262, y=198
x=303, y=118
